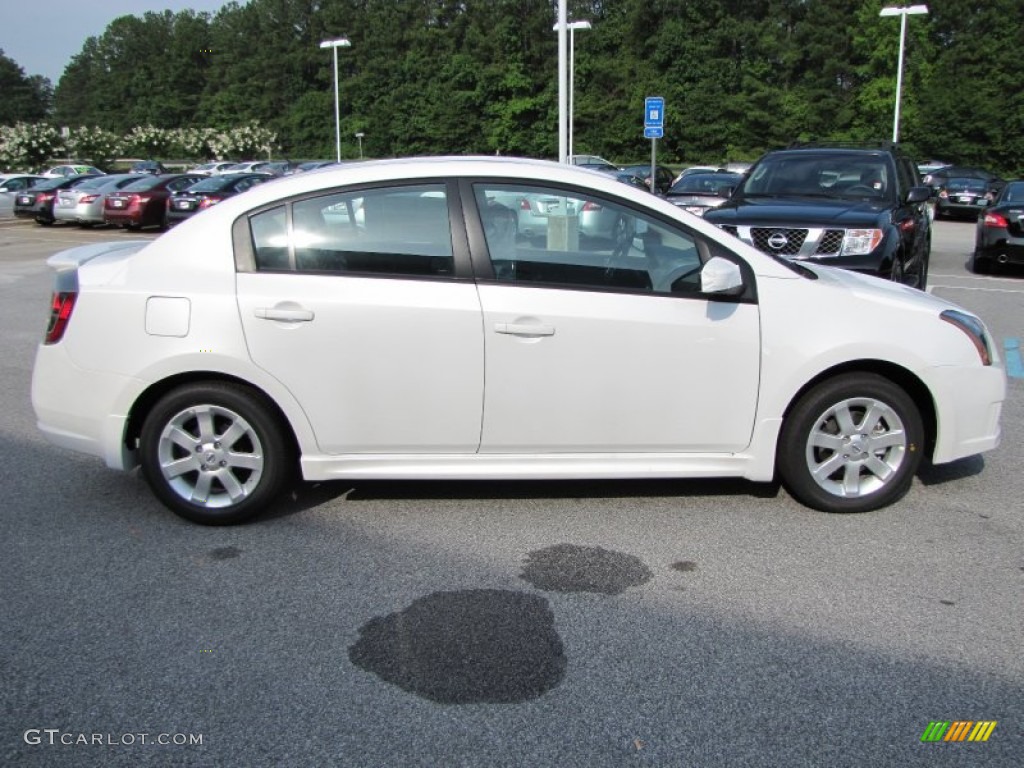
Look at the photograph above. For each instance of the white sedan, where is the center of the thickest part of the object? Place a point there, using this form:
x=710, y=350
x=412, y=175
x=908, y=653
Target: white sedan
x=280, y=332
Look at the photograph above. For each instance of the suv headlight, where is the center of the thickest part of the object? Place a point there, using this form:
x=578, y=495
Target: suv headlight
x=860, y=242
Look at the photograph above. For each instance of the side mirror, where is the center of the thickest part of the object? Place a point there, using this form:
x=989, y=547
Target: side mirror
x=919, y=194
x=721, y=276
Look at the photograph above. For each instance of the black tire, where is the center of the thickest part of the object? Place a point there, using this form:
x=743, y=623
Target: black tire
x=44, y=222
x=979, y=265
x=873, y=462
x=239, y=476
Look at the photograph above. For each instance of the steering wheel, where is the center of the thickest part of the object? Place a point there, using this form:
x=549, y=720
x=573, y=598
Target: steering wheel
x=861, y=189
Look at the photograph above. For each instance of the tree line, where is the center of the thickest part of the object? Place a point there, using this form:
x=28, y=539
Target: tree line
x=479, y=76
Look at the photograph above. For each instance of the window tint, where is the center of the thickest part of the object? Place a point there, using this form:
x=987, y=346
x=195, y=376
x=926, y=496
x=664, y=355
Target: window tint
x=397, y=231
x=539, y=236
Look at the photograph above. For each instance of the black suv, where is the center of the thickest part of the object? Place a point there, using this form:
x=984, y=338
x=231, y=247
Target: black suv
x=856, y=207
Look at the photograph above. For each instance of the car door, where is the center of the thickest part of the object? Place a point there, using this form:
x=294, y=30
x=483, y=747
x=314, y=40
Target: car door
x=605, y=345
x=353, y=301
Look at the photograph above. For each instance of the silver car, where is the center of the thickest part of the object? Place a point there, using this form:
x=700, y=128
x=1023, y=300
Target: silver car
x=10, y=185
x=84, y=204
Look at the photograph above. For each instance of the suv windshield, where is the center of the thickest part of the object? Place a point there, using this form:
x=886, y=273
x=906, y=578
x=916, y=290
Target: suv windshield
x=834, y=175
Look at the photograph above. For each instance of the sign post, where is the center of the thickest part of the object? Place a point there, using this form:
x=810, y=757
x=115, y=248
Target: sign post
x=654, y=129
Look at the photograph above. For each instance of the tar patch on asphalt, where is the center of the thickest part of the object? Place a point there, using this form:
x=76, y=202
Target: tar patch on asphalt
x=570, y=568
x=475, y=646
x=224, y=553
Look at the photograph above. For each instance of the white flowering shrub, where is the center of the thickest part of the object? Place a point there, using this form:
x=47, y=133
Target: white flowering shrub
x=245, y=141
x=147, y=141
x=94, y=144
x=25, y=146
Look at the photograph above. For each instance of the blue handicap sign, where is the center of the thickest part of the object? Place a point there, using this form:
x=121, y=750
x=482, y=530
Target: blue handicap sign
x=654, y=112
x=654, y=132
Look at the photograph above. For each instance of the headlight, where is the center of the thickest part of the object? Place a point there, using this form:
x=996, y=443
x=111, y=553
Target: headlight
x=974, y=329
x=860, y=242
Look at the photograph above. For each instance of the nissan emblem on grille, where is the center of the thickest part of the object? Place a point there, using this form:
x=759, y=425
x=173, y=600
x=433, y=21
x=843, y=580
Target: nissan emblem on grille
x=778, y=241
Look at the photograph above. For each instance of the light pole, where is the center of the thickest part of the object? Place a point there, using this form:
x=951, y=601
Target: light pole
x=560, y=27
x=902, y=12
x=340, y=42
x=572, y=26
x=360, y=137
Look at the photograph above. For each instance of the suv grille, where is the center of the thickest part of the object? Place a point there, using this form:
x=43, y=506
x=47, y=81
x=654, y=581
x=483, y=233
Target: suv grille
x=785, y=242
x=793, y=242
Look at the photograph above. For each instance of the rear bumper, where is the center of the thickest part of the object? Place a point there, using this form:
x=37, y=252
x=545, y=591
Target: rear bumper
x=76, y=408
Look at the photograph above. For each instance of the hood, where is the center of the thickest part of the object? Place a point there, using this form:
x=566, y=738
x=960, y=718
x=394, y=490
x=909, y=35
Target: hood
x=871, y=289
x=799, y=211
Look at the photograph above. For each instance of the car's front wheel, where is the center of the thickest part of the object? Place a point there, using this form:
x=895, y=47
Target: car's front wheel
x=214, y=453
x=851, y=444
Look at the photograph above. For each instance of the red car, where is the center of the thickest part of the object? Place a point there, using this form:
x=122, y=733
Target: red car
x=143, y=203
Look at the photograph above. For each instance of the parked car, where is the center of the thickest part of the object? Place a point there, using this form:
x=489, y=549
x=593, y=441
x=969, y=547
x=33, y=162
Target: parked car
x=930, y=166
x=697, y=192
x=962, y=197
x=421, y=340
x=10, y=185
x=696, y=169
x=594, y=162
x=858, y=207
x=627, y=177
x=279, y=168
x=83, y=203
x=143, y=203
x=663, y=177
x=311, y=165
x=211, y=169
x=210, y=191
x=936, y=179
x=72, y=169
x=249, y=166
x=37, y=202
x=148, y=166
x=1000, y=234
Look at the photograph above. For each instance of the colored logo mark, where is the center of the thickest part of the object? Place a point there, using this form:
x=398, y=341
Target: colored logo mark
x=958, y=730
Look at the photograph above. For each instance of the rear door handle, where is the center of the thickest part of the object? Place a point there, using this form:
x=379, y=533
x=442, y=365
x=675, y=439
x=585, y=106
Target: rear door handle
x=284, y=315
x=525, y=329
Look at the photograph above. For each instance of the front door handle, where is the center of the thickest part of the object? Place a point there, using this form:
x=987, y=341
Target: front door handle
x=284, y=315
x=525, y=329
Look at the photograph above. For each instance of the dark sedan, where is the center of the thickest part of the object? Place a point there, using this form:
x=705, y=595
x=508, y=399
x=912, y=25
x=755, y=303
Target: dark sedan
x=962, y=196
x=663, y=177
x=1000, y=236
x=144, y=203
x=697, y=192
x=37, y=202
x=210, y=191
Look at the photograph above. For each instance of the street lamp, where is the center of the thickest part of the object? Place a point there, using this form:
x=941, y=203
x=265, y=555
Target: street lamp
x=340, y=42
x=902, y=12
x=572, y=26
x=360, y=137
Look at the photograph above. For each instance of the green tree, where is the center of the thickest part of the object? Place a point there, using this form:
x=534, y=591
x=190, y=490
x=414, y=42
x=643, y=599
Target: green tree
x=25, y=99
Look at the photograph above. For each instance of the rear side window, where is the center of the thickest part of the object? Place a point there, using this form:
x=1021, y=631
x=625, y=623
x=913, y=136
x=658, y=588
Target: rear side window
x=394, y=231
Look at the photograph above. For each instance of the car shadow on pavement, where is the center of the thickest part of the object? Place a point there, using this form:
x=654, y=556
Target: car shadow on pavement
x=937, y=474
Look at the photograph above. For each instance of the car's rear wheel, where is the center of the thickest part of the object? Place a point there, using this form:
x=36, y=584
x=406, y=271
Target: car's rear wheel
x=214, y=453
x=851, y=444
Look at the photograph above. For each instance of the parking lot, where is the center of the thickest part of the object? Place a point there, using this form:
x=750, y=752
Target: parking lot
x=697, y=623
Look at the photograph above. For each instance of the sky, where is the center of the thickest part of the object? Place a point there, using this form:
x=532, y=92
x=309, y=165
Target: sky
x=42, y=35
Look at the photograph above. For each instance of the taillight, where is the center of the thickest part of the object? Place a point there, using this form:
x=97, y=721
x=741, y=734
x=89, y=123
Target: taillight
x=943, y=194
x=995, y=220
x=140, y=199
x=88, y=199
x=60, y=313
x=42, y=197
x=590, y=205
x=206, y=202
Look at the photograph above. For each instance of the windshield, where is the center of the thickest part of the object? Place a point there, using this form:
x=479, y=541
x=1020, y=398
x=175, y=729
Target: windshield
x=835, y=175
x=210, y=185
